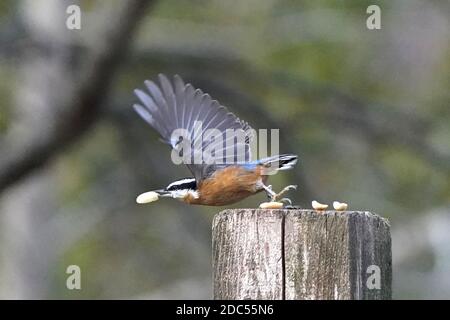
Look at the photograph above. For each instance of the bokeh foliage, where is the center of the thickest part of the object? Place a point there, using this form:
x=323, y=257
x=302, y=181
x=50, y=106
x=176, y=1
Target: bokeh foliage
x=367, y=112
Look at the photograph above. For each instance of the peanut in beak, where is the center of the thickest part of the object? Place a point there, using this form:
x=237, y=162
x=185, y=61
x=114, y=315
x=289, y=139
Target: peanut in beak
x=147, y=197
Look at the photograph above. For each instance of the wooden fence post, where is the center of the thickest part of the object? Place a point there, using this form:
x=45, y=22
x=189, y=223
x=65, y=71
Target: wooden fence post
x=300, y=254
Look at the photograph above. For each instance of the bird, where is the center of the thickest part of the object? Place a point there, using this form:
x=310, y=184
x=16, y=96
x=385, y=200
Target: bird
x=223, y=177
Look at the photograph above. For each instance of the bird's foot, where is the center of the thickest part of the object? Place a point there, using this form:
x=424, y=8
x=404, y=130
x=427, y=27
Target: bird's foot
x=290, y=207
x=270, y=193
x=276, y=196
x=286, y=200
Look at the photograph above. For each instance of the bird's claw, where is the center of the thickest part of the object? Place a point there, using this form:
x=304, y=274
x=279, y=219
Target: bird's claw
x=287, y=200
x=276, y=196
x=290, y=187
x=270, y=193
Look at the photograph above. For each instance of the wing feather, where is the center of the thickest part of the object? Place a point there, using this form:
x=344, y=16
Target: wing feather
x=176, y=105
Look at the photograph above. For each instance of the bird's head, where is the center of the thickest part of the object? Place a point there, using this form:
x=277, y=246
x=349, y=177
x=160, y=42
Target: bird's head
x=179, y=189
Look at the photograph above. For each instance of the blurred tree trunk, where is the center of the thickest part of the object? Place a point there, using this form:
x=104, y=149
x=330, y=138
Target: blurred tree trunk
x=55, y=105
x=77, y=109
x=43, y=75
x=27, y=251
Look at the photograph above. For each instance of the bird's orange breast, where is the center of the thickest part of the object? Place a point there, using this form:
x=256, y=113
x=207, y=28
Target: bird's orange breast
x=228, y=186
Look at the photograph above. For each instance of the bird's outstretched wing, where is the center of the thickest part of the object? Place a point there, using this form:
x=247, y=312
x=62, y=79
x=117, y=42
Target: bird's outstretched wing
x=172, y=106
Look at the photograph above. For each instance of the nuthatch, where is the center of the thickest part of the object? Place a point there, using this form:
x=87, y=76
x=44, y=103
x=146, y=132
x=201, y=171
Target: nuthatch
x=222, y=181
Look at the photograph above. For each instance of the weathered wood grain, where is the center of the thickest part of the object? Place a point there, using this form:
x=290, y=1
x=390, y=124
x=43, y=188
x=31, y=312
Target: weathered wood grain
x=247, y=254
x=299, y=254
x=327, y=255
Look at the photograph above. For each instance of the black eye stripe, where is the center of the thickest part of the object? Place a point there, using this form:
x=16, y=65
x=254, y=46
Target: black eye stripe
x=189, y=184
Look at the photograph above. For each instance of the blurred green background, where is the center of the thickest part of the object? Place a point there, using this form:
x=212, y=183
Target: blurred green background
x=366, y=110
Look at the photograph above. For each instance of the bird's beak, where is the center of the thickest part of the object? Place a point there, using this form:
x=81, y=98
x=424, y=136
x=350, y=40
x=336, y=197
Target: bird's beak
x=152, y=196
x=164, y=193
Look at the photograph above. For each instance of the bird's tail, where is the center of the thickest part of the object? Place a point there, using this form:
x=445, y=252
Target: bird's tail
x=272, y=165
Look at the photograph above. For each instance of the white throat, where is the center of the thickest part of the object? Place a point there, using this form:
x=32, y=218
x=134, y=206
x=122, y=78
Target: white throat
x=181, y=194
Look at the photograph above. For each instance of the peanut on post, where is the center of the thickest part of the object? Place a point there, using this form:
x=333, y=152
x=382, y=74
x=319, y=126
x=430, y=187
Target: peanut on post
x=271, y=205
x=318, y=206
x=340, y=206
